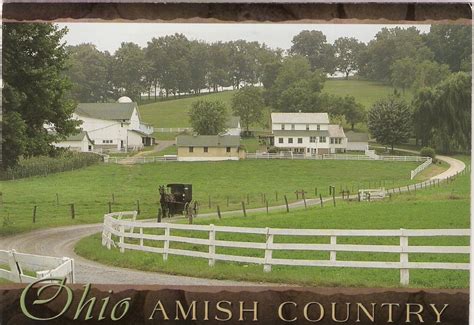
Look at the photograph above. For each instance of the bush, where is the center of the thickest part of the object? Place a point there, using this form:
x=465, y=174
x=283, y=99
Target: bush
x=273, y=150
x=428, y=152
x=44, y=165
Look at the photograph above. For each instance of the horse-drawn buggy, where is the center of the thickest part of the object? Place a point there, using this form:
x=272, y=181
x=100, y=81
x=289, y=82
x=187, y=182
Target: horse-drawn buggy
x=178, y=199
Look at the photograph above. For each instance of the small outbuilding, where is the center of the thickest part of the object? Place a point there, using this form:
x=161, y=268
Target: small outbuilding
x=357, y=141
x=209, y=147
x=79, y=142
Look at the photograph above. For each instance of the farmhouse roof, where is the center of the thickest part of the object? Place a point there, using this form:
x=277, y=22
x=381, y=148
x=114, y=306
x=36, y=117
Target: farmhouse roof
x=207, y=141
x=106, y=111
x=143, y=134
x=357, y=136
x=79, y=137
x=336, y=131
x=233, y=122
x=300, y=118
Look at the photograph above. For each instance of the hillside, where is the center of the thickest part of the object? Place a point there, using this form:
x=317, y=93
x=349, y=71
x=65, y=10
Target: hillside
x=174, y=113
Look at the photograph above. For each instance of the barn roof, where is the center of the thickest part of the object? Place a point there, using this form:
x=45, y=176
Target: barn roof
x=300, y=118
x=357, y=136
x=207, y=141
x=79, y=137
x=106, y=111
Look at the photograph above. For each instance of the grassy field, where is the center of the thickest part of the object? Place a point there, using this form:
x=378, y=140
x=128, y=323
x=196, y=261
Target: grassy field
x=446, y=206
x=91, y=189
x=174, y=113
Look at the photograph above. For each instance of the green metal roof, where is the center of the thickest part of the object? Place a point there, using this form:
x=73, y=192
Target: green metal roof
x=79, y=137
x=207, y=141
x=106, y=111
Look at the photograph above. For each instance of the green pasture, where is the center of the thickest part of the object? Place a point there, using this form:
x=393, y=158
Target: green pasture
x=226, y=184
x=439, y=207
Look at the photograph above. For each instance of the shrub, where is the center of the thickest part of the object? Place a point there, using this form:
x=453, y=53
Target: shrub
x=428, y=152
x=273, y=150
x=44, y=165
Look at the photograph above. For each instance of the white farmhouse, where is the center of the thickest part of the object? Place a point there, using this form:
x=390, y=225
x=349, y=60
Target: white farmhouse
x=114, y=126
x=307, y=133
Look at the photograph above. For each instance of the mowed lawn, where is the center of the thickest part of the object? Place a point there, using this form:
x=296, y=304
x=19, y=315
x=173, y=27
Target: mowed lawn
x=174, y=113
x=92, y=188
x=446, y=206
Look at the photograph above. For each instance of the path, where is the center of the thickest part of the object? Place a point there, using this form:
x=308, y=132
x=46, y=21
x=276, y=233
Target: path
x=61, y=242
x=160, y=146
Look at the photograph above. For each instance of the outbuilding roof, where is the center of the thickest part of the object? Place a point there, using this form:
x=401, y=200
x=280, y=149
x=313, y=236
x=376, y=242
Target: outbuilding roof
x=207, y=141
x=79, y=137
x=336, y=131
x=300, y=118
x=106, y=111
x=357, y=136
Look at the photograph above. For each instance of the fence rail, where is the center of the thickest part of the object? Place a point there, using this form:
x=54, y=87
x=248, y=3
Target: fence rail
x=129, y=238
x=42, y=266
x=420, y=168
x=172, y=130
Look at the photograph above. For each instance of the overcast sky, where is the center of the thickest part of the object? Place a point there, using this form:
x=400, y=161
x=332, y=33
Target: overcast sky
x=108, y=36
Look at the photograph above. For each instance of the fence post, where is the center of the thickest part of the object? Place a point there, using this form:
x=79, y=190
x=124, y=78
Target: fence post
x=266, y=205
x=166, y=243
x=212, y=247
x=334, y=196
x=138, y=206
x=73, y=212
x=286, y=203
x=34, y=214
x=332, y=254
x=304, y=198
x=122, y=239
x=141, y=237
x=159, y=215
x=404, y=271
x=243, y=209
x=267, y=267
x=321, y=199
x=110, y=207
x=219, y=212
x=15, y=268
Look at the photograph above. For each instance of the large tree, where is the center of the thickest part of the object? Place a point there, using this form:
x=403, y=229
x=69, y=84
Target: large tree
x=248, y=103
x=314, y=46
x=89, y=72
x=389, y=121
x=347, y=52
x=35, y=90
x=208, y=117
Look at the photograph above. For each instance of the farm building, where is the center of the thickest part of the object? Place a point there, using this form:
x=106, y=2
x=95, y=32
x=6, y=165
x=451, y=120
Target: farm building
x=307, y=133
x=209, y=147
x=357, y=141
x=78, y=142
x=114, y=126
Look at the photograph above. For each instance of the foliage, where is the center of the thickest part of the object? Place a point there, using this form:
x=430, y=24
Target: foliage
x=314, y=46
x=35, y=90
x=428, y=152
x=208, y=117
x=389, y=121
x=247, y=103
x=44, y=165
x=347, y=52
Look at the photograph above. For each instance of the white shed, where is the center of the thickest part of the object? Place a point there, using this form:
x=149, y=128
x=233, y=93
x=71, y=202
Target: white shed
x=357, y=141
x=78, y=142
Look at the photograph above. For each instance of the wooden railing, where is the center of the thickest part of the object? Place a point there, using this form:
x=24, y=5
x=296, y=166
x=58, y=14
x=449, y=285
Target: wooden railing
x=41, y=266
x=420, y=168
x=131, y=235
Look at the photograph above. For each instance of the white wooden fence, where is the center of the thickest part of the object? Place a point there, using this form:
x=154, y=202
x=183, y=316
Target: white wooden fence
x=13, y=265
x=172, y=130
x=125, y=233
x=140, y=160
x=420, y=168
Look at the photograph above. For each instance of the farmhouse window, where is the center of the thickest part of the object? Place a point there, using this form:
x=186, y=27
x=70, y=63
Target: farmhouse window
x=227, y=149
x=280, y=140
x=318, y=127
x=283, y=126
x=300, y=140
x=191, y=149
x=290, y=140
x=312, y=139
x=332, y=140
x=206, y=149
x=322, y=139
x=292, y=126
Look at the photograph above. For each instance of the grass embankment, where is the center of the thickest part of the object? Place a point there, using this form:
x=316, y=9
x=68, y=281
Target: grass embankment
x=441, y=207
x=91, y=189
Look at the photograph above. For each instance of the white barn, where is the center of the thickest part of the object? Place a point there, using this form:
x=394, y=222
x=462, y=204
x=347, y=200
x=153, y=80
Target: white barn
x=357, y=141
x=114, y=126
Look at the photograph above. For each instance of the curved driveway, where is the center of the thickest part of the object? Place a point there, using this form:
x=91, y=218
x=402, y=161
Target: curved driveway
x=61, y=241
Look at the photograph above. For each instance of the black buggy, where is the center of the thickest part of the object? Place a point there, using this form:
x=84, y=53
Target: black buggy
x=177, y=199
